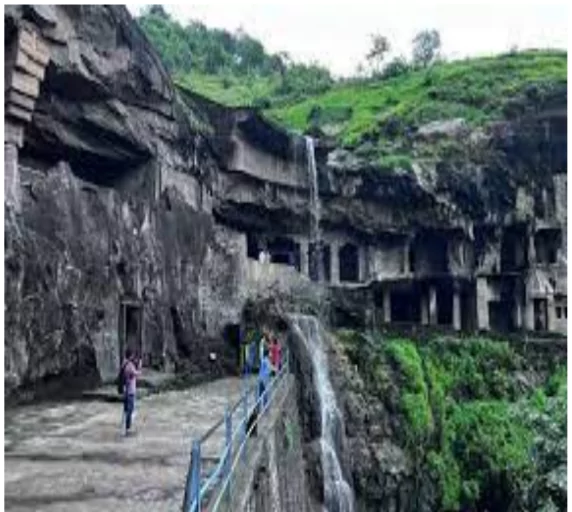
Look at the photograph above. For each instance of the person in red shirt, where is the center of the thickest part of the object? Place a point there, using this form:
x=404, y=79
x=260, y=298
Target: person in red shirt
x=275, y=355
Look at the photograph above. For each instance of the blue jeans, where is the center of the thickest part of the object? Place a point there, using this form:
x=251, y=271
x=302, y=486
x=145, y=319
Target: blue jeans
x=128, y=408
x=263, y=392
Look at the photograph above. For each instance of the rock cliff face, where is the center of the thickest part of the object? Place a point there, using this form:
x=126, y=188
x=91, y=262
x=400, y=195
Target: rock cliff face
x=111, y=239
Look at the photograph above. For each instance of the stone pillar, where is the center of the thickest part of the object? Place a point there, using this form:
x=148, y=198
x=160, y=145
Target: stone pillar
x=304, y=264
x=531, y=248
x=433, y=305
x=406, y=256
x=386, y=305
x=456, y=309
x=550, y=313
x=362, y=263
x=517, y=312
x=528, y=310
x=335, y=262
x=12, y=196
x=424, y=308
x=483, y=323
x=370, y=321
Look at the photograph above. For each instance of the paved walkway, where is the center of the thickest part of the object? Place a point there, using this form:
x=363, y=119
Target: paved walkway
x=72, y=457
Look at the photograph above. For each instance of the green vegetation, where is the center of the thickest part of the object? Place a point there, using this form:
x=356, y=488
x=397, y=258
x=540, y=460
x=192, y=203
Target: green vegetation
x=486, y=438
x=232, y=68
x=478, y=90
x=379, y=109
x=415, y=397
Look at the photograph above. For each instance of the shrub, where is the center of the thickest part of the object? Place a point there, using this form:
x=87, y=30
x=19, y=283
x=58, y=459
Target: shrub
x=392, y=162
x=396, y=67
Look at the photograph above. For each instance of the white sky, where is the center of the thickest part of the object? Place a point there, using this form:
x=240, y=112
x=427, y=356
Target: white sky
x=336, y=33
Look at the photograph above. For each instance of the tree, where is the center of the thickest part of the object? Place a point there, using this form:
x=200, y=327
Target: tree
x=158, y=10
x=426, y=45
x=379, y=48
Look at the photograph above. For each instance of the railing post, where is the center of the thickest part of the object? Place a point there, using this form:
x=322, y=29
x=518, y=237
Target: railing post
x=244, y=423
x=228, y=443
x=193, y=484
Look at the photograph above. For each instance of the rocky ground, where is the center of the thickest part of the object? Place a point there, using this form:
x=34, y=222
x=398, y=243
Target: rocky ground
x=72, y=456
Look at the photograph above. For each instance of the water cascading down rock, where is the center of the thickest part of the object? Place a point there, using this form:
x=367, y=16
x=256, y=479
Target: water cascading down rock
x=338, y=495
x=314, y=205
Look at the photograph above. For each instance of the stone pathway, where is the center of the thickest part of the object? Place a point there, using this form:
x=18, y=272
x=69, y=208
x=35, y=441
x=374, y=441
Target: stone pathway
x=72, y=457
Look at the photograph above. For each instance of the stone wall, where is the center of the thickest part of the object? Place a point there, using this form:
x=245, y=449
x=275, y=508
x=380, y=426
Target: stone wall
x=266, y=166
x=273, y=477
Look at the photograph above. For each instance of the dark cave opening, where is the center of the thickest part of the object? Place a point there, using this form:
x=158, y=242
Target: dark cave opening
x=349, y=263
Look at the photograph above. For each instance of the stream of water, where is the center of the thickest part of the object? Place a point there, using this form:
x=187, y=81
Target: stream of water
x=314, y=194
x=338, y=495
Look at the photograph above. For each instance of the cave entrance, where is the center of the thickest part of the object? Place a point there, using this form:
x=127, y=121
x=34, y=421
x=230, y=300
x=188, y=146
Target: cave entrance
x=445, y=305
x=231, y=335
x=252, y=246
x=428, y=254
x=131, y=329
x=468, y=309
x=501, y=315
x=540, y=314
x=546, y=244
x=405, y=306
x=327, y=262
x=514, y=249
x=349, y=263
x=284, y=251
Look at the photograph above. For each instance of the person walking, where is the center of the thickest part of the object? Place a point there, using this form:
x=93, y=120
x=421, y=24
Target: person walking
x=264, y=377
x=130, y=370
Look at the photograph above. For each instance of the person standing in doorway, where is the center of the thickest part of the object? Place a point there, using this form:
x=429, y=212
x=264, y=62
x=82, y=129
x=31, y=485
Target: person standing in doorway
x=131, y=370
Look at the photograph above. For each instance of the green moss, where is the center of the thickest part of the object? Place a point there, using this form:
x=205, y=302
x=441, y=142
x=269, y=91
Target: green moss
x=415, y=397
x=418, y=413
x=405, y=354
x=445, y=470
x=466, y=421
x=488, y=443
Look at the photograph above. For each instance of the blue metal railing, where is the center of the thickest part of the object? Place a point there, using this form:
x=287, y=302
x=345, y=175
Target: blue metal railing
x=219, y=479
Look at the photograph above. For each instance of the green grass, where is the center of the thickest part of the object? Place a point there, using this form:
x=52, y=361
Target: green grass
x=475, y=89
x=230, y=90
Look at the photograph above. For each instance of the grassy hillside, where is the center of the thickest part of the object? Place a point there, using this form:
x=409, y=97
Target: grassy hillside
x=475, y=89
x=235, y=69
x=231, y=90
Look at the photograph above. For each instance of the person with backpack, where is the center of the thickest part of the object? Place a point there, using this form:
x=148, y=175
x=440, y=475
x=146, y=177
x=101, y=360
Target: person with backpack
x=127, y=383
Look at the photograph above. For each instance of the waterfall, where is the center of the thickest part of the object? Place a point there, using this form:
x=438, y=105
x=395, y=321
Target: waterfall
x=338, y=495
x=314, y=257
x=313, y=184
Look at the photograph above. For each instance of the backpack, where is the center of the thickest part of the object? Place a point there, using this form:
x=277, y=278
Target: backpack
x=120, y=381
